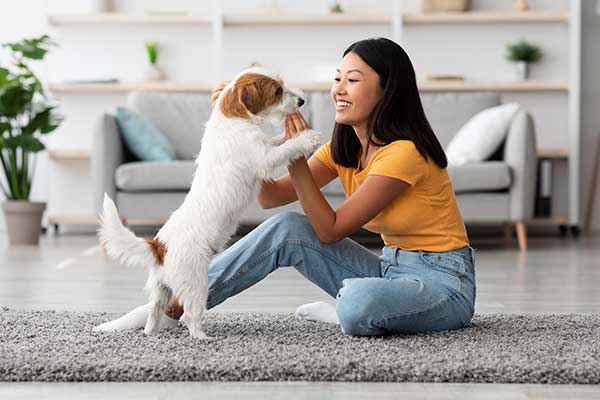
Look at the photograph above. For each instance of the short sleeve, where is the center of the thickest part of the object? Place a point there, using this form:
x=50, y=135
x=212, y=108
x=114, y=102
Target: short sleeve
x=323, y=154
x=400, y=160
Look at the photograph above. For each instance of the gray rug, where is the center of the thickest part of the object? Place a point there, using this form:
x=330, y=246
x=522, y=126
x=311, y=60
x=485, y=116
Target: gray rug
x=60, y=346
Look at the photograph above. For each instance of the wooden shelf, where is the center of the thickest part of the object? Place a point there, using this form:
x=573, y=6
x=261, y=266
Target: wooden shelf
x=425, y=86
x=548, y=221
x=553, y=153
x=116, y=18
x=68, y=154
x=475, y=17
x=325, y=19
x=159, y=86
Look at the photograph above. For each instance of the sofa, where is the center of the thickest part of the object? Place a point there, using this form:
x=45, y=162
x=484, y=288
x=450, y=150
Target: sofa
x=499, y=190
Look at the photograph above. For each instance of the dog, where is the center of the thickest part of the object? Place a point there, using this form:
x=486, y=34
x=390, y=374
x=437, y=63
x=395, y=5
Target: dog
x=236, y=156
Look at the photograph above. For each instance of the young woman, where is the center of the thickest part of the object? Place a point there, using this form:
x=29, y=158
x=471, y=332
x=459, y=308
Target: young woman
x=393, y=171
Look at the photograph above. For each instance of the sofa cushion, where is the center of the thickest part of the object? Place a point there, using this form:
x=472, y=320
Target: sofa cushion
x=142, y=138
x=179, y=116
x=483, y=176
x=155, y=175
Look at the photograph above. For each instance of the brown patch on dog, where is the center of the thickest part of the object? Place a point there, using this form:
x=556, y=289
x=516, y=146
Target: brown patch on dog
x=174, y=310
x=159, y=249
x=251, y=94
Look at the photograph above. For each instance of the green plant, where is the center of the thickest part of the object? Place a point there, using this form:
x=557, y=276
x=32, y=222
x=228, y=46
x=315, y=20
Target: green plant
x=25, y=114
x=152, y=50
x=523, y=51
x=336, y=8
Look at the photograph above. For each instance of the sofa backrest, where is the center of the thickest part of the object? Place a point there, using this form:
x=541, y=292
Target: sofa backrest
x=179, y=116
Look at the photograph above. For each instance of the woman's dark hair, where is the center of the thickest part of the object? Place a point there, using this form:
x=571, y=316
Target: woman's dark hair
x=399, y=113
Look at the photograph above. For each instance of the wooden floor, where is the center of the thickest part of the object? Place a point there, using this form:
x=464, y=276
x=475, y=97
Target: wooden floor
x=68, y=272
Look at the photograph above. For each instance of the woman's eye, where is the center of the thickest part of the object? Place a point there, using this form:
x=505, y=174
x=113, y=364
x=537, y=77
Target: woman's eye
x=352, y=80
x=336, y=79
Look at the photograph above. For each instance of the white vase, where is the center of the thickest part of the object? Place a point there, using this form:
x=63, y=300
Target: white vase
x=153, y=73
x=522, y=70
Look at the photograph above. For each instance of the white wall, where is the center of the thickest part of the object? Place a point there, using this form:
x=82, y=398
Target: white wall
x=103, y=51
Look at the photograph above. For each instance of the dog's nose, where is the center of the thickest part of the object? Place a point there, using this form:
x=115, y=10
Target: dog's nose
x=300, y=101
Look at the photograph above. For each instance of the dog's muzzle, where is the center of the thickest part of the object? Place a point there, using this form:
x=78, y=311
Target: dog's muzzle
x=300, y=101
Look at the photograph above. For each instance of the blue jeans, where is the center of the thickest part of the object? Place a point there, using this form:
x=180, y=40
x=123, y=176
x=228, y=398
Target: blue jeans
x=404, y=292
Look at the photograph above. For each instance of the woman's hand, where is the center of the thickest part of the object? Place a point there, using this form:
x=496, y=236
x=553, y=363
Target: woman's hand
x=217, y=91
x=294, y=124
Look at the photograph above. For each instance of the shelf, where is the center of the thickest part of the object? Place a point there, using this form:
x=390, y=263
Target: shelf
x=557, y=154
x=68, y=154
x=160, y=86
x=425, y=86
x=548, y=221
x=325, y=19
x=475, y=17
x=116, y=18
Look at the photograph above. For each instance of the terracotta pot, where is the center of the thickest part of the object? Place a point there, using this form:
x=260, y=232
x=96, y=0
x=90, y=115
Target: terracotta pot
x=23, y=221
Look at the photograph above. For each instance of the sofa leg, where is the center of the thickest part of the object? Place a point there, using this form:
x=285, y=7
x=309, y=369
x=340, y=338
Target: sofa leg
x=508, y=232
x=522, y=236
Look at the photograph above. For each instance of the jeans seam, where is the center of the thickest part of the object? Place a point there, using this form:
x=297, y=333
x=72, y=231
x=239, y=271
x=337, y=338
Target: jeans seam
x=245, y=267
x=411, y=314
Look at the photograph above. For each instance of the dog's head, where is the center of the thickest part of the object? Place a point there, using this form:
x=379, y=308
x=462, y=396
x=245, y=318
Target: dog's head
x=256, y=94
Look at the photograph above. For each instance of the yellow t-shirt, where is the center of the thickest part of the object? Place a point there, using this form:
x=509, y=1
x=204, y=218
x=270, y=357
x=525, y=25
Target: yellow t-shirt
x=424, y=216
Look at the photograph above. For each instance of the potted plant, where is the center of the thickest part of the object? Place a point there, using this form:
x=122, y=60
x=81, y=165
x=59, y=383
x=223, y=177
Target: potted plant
x=153, y=72
x=523, y=53
x=25, y=114
x=336, y=8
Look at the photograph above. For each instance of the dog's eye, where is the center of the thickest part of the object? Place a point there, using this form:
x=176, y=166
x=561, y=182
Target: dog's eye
x=279, y=91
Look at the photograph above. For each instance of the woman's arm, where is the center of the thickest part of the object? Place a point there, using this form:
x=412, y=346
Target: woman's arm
x=281, y=191
x=370, y=199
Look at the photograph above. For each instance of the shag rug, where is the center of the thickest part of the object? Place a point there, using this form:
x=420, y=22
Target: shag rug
x=60, y=346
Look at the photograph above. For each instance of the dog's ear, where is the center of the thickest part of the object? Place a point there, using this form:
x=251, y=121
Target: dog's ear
x=251, y=94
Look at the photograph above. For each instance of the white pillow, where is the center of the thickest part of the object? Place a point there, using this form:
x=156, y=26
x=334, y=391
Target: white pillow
x=481, y=136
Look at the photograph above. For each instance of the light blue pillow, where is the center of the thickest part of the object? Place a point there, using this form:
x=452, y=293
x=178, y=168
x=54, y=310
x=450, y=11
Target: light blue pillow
x=142, y=138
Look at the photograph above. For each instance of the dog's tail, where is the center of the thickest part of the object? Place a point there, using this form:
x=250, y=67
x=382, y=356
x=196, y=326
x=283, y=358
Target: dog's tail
x=122, y=244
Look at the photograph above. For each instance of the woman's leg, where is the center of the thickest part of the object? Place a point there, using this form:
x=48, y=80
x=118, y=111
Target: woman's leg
x=425, y=292
x=286, y=239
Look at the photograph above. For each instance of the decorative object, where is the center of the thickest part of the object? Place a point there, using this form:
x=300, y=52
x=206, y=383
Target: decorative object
x=432, y=6
x=336, y=8
x=481, y=136
x=26, y=114
x=53, y=346
x=521, y=5
x=153, y=72
x=142, y=138
x=523, y=54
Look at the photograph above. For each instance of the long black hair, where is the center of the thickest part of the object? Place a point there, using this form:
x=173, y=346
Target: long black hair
x=399, y=113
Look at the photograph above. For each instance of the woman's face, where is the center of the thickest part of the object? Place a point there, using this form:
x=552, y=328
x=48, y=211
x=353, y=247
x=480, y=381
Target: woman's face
x=355, y=91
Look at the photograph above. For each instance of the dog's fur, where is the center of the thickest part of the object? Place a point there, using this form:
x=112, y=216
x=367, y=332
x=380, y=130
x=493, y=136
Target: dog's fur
x=235, y=157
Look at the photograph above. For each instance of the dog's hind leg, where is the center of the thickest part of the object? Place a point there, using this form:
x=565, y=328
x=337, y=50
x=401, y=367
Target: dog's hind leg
x=194, y=306
x=160, y=297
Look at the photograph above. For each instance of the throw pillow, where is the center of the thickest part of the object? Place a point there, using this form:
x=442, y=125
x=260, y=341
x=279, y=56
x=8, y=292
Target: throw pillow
x=142, y=138
x=481, y=135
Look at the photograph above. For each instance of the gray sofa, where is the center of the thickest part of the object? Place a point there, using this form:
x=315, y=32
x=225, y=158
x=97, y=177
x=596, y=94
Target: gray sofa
x=500, y=190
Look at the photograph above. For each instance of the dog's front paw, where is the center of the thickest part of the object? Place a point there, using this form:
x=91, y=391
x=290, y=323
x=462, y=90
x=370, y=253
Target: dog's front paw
x=311, y=140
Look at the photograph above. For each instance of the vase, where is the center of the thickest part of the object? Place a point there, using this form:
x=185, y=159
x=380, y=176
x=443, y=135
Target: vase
x=154, y=73
x=521, y=5
x=23, y=221
x=522, y=70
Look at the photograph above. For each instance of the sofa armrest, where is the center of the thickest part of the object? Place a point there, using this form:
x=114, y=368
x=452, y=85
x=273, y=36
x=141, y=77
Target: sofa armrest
x=520, y=153
x=108, y=152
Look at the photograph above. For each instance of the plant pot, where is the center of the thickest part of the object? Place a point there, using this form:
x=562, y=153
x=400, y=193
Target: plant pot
x=23, y=221
x=153, y=73
x=522, y=70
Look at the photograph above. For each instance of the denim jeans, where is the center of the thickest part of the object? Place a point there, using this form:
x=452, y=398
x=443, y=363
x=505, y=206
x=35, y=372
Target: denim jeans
x=403, y=292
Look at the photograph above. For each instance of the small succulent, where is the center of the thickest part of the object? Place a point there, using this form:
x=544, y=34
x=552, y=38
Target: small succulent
x=152, y=50
x=523, y=51
x=336, y=8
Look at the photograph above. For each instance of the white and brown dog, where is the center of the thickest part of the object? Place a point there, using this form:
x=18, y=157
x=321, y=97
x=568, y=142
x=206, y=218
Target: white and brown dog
x=235, y=157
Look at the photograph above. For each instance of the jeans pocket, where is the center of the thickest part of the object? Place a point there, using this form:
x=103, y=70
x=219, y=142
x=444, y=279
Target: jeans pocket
x=444, y=262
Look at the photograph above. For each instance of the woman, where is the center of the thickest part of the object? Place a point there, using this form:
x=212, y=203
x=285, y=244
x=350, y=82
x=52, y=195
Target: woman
x=393, y=170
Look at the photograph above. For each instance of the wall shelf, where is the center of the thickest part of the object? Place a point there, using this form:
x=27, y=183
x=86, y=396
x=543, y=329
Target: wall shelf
x=555, y=154
x=425, y=86
x=325, y=19
x=68, y=154
x=116, y=18
x=474, y=17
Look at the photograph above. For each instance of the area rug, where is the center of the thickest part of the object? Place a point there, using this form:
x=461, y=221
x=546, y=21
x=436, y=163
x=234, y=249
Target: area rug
x=502, y=348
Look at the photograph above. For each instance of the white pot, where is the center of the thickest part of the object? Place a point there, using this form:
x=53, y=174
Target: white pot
x=153, y=73
x=522, y=70
x=79, y=6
